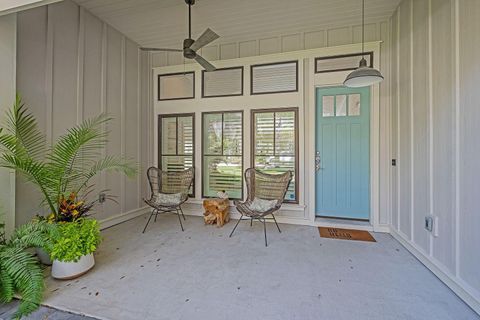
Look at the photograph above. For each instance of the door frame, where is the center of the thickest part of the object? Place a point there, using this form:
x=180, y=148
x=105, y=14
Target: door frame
x=335, y=79
x=320, y=118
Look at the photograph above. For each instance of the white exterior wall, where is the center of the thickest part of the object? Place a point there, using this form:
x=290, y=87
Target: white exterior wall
x=435, y=116
x=8, y=34
x=73, y=66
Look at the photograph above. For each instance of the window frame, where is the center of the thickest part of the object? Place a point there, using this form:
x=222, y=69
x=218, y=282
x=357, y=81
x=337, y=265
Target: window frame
x=175, y=74
x=224, y=95
x=272, y=64
x=295, y=110
x=365, y=54
x=159, y=144
x=203, y=149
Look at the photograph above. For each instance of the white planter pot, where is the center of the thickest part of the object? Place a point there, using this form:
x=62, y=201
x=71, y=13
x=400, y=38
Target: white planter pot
x=43, y=256
x=71, y=270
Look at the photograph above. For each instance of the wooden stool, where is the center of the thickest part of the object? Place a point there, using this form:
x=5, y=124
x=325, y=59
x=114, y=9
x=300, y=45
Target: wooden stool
x=216, y=211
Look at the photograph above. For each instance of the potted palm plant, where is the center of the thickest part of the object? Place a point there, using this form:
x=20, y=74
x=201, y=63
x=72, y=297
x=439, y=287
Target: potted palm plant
x=63, y=170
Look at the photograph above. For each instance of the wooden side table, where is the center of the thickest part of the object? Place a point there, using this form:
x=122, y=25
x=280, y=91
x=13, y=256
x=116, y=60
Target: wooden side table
x=216, y=211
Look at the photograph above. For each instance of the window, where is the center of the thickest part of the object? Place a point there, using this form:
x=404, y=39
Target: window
x=343, y=62
x=222, y=147
x=176, y=86
x=278, y=77
x=176, y=149
x=336, y=106
x=275, y=144
x=226, y=82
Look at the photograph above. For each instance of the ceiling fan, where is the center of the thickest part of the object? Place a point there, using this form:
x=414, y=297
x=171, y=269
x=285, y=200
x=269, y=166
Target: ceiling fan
x=190, y=46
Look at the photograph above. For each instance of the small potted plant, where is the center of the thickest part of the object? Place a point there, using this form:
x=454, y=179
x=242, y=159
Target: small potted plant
x=73, y=248
x=20, y=273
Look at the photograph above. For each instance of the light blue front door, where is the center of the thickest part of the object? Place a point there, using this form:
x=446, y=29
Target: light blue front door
x=342, y=179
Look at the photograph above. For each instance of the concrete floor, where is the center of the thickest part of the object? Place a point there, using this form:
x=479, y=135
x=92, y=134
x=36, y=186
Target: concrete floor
x=203, y=274
x=43, y=313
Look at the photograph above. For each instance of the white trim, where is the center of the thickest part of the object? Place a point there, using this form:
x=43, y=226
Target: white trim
x=456, y=285
x=122, y=217
x=430, y=120
x=80, y=65
x=457, y=138
x=336, y=79
x=31, y=5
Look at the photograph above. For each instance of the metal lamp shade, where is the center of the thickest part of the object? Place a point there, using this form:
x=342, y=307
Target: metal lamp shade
x=363, y=76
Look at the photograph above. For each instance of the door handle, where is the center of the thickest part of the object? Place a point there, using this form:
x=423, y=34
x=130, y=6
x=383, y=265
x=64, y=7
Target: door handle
x=317, y=161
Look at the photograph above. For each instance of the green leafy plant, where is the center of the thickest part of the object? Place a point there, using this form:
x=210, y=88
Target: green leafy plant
x=20, y=271
x=65, y=167
x=75, y=239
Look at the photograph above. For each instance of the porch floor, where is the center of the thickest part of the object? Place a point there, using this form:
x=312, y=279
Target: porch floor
x=202, y=274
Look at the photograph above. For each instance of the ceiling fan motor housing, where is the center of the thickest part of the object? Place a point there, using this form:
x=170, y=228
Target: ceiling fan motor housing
x=187, y=52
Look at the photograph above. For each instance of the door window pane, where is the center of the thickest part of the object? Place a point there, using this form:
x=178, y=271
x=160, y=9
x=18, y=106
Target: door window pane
x=354, y=104
x=341, y=105
x=328, y=106
x=223, y=154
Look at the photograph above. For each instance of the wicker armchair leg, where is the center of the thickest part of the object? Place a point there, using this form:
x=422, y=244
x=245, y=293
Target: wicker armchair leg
x=182, y=214
x=251, y=222
x=180, y=219
x=276, y=223
x=265, y=231
x=235, y=226
x=151, y=215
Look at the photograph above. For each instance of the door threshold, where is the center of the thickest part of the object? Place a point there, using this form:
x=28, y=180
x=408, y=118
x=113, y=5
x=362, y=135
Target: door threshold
x=342, y=223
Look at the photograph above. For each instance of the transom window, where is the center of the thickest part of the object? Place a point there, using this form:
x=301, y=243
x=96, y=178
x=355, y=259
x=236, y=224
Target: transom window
x=275, y=144
x=176, y=142
x=222, y=147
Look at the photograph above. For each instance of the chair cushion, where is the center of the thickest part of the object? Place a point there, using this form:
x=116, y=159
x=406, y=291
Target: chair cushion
x=168, y=198
x=262, y=205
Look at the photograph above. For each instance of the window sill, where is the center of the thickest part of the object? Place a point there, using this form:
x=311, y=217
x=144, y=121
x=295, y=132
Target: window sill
x=285, y=206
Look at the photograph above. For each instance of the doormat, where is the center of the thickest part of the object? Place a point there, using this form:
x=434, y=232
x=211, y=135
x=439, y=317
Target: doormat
x=346, y=234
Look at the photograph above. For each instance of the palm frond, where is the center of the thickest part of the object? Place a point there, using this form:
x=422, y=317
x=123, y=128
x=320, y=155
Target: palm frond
x=77, y=149
x=22, y=136
x=109, y=163
x=27, y=276
x=35, y=172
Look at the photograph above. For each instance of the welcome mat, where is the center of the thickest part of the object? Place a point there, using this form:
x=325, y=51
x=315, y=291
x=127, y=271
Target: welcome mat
x=346, y=234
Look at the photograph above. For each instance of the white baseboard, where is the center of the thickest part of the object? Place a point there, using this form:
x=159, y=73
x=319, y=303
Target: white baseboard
x=450, y=280
x=304, y=222
x=122, y=217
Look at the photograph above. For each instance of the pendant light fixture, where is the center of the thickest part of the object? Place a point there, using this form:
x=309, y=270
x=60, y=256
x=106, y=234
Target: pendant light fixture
x=364, y=75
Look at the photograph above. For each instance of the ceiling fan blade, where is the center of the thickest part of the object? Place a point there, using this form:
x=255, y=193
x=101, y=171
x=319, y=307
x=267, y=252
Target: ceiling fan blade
x=204, y=63
x=161, y=49
x=206, y=37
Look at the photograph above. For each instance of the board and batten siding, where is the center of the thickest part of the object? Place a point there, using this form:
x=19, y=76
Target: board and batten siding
x=72, y=66
x=8, y=32
x=435, y=116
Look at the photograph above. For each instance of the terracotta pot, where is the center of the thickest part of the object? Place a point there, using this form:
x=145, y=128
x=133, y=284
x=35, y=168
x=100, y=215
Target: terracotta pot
x=71, y=270
x=43, y=256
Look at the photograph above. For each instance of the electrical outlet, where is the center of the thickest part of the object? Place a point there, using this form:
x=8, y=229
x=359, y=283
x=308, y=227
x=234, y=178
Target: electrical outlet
x=101, y=197
x=429, y=223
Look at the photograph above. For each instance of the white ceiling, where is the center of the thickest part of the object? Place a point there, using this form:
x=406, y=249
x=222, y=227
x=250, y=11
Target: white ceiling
x=163, y=23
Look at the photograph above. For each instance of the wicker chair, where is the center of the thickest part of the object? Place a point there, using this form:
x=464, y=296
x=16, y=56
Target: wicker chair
x=168, y=182
x=263, y=186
